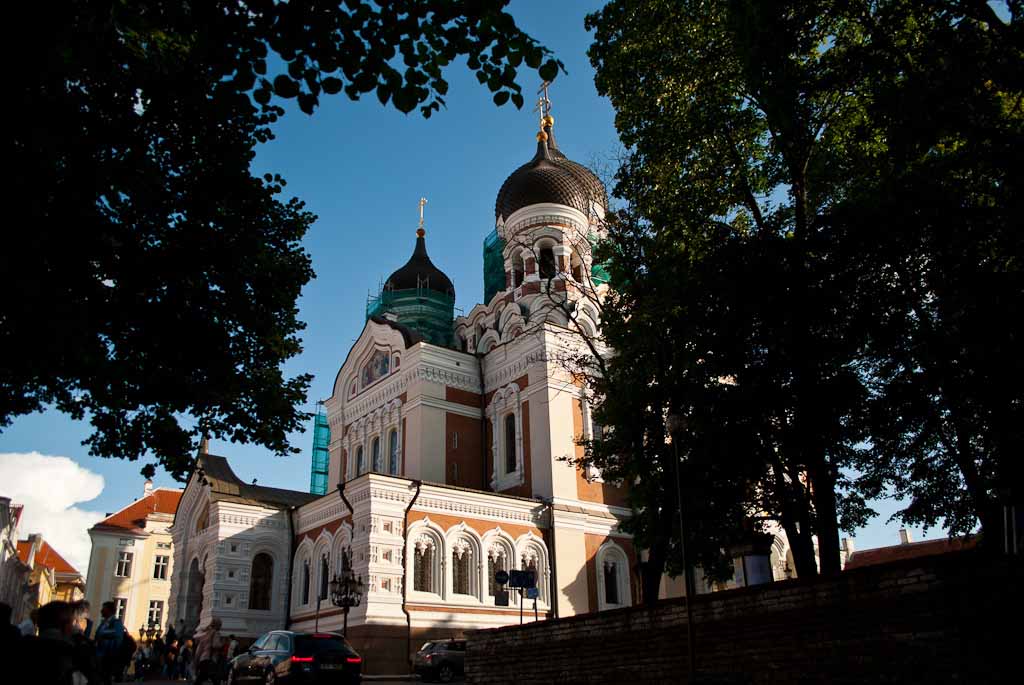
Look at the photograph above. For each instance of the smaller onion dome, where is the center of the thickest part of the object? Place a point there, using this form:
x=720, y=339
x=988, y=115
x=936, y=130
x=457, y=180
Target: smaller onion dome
x=420, y=272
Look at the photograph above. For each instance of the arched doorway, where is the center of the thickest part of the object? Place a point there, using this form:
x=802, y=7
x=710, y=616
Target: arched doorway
x=194, y=596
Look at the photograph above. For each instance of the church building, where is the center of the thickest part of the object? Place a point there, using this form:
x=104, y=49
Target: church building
x=446, y=458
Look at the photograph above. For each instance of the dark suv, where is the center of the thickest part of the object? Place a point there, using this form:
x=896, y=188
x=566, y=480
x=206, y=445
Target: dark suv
x=441, y=659
x=283, y=656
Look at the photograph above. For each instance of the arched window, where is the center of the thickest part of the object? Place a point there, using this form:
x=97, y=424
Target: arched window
x=393, y=453
x=612, y=577
x=462, y=564
x=261, y=581
x=518, y=270
x=423, y=565
x=204, y=519
x=378, y=466
x=533, y=557
x=497, y=560
x=576, y=265
x=510, y=443
x=305, y=581
x=360, y=461
x=325, y=570
x=547, y=263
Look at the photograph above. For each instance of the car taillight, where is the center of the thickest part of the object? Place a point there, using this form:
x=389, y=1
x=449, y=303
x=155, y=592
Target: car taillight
x=302, y=659
x=428, y=657
x=353, y=660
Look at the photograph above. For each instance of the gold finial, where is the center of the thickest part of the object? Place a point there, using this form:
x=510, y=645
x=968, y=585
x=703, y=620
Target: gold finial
x=420, y=232
x=541, y=136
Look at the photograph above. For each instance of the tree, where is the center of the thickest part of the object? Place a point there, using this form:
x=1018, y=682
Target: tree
x=773, y=152
x=151, y=279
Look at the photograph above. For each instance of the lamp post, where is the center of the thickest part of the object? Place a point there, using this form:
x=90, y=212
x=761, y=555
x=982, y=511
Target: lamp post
x=346, y=590
x=675, y=424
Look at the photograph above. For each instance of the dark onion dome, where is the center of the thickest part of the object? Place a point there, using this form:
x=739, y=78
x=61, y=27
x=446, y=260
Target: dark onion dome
x=549, y=177
x=419, y=272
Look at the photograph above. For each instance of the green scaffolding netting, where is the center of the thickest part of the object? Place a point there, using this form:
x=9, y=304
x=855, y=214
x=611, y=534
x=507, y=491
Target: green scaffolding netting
x=321, y=456
x=494, y=266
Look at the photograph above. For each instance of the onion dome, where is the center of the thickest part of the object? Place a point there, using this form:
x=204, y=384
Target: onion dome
x=420, y=272
x=549, y=177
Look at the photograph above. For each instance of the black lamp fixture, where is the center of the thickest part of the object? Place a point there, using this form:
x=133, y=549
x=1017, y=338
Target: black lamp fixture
x=347, y=589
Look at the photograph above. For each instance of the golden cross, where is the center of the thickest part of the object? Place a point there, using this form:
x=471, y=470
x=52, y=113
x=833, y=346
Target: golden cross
x=423, y=201
x=543, y=103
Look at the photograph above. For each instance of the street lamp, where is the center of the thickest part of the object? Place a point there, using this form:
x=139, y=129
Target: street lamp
x=675, y=424
x=347, y=590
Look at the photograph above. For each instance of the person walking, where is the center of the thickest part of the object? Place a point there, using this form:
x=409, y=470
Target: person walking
x=85, y=651
x=110, y=634
x=51, y=654
x=185, y=657
x=208, y=653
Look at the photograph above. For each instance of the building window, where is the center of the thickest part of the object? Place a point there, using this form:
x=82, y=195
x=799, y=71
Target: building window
x=510, y=443
x=120, y=605
x=378, y=467
x=124, y=565
x=126, y=542
x=261, y=580
x=160, y=564
x=305, y=581
x=547, y=263
x=163, y=545
x=360, y=461
x=156, y=613
x=393, y=453
x=497, y=560
x=325, y=570
x=424, y=558
x=612, y=577
x=462, y=564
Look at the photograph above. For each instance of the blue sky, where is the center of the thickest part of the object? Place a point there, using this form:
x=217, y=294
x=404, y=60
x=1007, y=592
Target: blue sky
x=362, y=169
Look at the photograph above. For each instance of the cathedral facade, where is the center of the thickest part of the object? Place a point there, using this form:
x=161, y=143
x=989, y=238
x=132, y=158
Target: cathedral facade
x=450, y=446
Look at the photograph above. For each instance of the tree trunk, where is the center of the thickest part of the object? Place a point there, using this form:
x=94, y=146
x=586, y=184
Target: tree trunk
x=651, y=573
x=823, y=491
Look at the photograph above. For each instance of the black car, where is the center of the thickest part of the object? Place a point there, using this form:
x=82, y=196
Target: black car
x=286, y=657
x=441, y=659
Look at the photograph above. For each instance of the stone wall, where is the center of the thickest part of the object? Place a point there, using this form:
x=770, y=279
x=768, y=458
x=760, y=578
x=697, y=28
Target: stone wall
x=954, y=618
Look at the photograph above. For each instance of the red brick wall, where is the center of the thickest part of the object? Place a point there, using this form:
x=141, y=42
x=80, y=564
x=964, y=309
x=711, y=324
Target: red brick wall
x=944, y=619
x=467, y=456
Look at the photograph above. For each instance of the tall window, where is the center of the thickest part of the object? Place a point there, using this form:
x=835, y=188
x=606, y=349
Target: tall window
x=261, y=580
x=160, y=564
x=124, y=565
x=462, y=558
x=156, y=613
x=305, y=581
x=393, y=453
x=325, y=570
x=120, y=605
x=510, y=443
x=360, y=461
x=423, y=568
x=611, y=582
x=518, y=269
x=547, y=263
x=495, y=563
x=378, y=467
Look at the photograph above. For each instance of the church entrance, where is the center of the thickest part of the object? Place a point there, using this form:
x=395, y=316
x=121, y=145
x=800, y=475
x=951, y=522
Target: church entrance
x=194, y=596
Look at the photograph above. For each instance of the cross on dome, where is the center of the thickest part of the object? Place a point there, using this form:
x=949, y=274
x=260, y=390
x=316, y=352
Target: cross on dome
x=420, y=232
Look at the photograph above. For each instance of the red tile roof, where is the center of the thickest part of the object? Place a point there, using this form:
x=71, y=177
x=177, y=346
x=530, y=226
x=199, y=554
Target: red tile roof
x=132, y=517
x=45, y=556
x=911, y=550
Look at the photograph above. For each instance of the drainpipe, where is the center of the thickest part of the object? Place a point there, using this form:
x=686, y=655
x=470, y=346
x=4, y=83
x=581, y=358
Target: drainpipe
x=483, y=423
x=550, y=503
x=291, y=560
x=405, y=573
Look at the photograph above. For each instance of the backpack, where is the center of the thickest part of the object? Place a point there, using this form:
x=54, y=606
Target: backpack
x=127, y=647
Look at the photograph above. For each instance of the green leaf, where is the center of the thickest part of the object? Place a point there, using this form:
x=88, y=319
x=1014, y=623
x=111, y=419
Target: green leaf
x=285, y=87
x=331, y=85
x=501, y=97
x=549, y=70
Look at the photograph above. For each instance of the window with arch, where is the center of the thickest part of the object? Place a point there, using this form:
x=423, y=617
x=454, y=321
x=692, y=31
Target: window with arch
x=325, y=571
x=393, y=452
x=533, y=558
x=463, y=568
x=261, y=581
x=305, y=581
x=360, y=461
x=497, y=560
x=612, y=578
x=425, y=576
x=378, y=466
x=576, y=266
x=518, y=270
x=510, y=443
x=548, y=268
x=203, y=522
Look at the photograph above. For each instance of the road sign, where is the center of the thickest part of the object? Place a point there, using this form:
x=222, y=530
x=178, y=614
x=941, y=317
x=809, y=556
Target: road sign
x=532, y=593
x=522, y=579
x=501, y=577
x=501, y=598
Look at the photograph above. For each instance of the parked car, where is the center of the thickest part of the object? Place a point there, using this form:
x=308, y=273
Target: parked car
x=441, y=659
x=285, y=657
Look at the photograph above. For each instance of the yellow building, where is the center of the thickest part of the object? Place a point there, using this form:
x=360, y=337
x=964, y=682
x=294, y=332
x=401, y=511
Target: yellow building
x=52, y=577
x=131, y=560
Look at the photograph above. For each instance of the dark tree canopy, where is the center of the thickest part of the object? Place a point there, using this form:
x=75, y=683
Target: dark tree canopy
x=151, y=280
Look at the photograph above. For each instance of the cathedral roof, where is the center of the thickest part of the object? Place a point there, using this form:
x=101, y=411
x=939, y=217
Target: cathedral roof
x=226, y=486
x=549, y=177
x=419, y=271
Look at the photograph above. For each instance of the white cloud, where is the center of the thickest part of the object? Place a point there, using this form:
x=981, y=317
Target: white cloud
x=50, y=487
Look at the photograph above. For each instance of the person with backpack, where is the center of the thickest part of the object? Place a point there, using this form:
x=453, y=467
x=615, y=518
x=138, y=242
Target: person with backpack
x=112, y=640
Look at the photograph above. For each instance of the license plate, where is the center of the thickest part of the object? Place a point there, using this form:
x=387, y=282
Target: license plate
x=331, y=667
